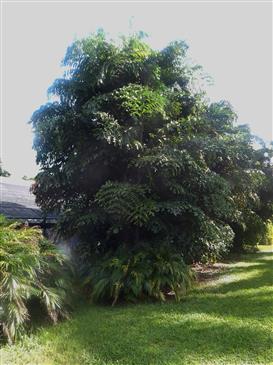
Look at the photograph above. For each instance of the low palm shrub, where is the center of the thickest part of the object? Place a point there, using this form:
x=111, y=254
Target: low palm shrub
x=30, y=268
x=145, y=272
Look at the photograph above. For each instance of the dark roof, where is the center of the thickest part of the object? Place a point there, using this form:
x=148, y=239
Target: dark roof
x=17, y=202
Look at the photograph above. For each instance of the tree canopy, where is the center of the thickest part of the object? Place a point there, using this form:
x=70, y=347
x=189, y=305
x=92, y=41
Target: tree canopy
x=132, y=154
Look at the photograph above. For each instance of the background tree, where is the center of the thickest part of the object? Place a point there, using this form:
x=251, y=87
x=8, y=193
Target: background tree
x=3, y=172
x=131, y=155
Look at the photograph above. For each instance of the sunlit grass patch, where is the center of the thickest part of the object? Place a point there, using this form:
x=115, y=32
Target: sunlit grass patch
x=265, y=248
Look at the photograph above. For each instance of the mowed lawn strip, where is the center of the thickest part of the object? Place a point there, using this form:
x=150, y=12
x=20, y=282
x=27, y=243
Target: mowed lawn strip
x=226, y=320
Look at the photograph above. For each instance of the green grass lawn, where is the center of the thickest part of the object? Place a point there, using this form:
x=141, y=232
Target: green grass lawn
x=227, y=320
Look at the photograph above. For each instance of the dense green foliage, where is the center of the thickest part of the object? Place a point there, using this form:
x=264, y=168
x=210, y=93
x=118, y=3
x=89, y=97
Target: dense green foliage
x=30, y=267
x=145, y=273
x=226, y=321
x=131, y=153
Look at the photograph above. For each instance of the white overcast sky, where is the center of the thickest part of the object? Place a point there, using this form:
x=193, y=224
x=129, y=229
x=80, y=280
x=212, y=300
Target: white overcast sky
x=232, y=41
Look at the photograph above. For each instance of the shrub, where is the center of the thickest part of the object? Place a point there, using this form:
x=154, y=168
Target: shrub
x=30, y=267
x=145, y=272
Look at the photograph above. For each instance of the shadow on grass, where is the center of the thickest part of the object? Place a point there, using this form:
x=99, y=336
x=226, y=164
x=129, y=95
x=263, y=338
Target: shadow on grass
x=258, y=273
x=161, y=336
x=128, y=341
x=225, y=324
